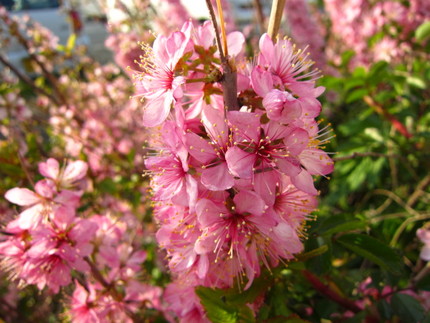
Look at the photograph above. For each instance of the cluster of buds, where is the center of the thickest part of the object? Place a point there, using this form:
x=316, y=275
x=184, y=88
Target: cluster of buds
x=232, y=188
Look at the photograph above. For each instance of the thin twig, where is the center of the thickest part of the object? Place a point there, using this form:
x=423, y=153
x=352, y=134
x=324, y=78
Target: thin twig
x=24, y=166
x=424, y=272
x=396, y=199
x=27, y=80
x=110, y=288
x=275, y=18
x=217, y=33
x=418, y=191
x=327, y=291
x=405, y=223
x=259, y=14
x=229, y=78
x=24, y=42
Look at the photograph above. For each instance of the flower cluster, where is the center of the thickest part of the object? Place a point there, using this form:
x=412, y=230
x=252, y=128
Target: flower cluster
x=49, y=243
x=88, y=126
x=46, y=241
x=231, y=189
x=358, y=23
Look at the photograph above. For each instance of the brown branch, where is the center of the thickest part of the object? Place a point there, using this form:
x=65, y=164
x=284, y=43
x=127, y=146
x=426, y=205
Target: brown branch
x=24, y=78
x=24, y=42
x=217, y=33
x=327, y=291
x=110, y=288
x=275, y=18
x=424, y=272
x=24, y=166
x=229, y=77
x=259, y=14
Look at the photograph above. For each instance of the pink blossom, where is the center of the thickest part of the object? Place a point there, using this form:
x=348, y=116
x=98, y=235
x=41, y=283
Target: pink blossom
x=158, y=84
x=424, y=236
x=211, y=155
x=183, y=301
x=58, y=248
x=83, y=305
x=244, y=234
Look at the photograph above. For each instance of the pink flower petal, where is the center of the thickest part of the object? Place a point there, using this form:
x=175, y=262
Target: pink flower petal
x=296, y=140
x=304, y=182
x=316, y=162
x=289, y=166
x=50, y=168
x=199, y=148
x=22, y=196
x=45, y=188
x=249, y=202
x=74, y=171
x=235, y=42
x=157, y=108
x=217, y=178
x=265, y=185
x=262, y=81
x=240, y=163
x=31, y=217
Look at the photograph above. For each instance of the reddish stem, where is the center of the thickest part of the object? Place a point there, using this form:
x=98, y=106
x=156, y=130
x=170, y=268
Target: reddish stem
x=327, y=291
x=400, y=127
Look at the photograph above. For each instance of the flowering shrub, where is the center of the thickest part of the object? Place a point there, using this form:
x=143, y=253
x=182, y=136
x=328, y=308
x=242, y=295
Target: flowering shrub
x=224, y=224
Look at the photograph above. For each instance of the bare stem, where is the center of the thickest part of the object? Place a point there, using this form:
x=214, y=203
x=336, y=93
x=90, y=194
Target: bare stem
x=418, y=191
x=424, y=272
x=229, y=78
x=24, y=166
x=403, y=226
x=275, y=18
x=329, y=292
x=27, y=80
x=217, y=33
x=259, y=14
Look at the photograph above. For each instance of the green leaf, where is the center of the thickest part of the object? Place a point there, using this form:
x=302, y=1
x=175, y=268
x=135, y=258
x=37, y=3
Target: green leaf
x=355, y=95
x=357, y=318
x=424, y=283
x=354, y=82
x=426, y=319
x=373, y=250
x=416, y=81
x=407, y=308
x=423, y=31
x=384, y=309
x=347, y=56
x=228, y=305
x=345, y=227
x=107, y=186
x=313, y=253
x=215, y=306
